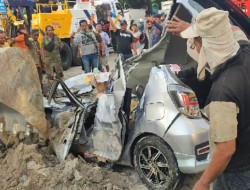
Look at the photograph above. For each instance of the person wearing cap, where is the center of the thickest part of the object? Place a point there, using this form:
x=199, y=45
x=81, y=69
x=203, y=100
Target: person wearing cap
x=189, y=76
x=34, y=51
x=131, y=22
x=125, y=39
x=141, y=25
x=154, y=29
x=138, y=37
x=228, y=104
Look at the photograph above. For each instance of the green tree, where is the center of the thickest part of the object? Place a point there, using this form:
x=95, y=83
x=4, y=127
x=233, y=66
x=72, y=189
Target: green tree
x=138, y=4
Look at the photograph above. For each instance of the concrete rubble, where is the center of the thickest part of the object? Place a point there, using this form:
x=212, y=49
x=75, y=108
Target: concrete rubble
x=30, y=167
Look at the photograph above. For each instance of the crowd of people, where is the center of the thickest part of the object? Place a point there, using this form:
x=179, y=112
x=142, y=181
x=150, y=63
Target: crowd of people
x=93, y=45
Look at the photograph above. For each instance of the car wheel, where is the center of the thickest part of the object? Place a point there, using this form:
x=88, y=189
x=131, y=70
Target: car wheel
x=66, y=56
x=156, y=164
x=75, y=60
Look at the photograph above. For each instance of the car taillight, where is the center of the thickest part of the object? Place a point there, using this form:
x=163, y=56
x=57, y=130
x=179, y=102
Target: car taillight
x=203, y=150
x=185, y=100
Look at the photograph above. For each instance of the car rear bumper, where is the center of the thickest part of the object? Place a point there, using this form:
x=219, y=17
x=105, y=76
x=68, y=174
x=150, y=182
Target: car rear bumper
x=186, y=136
x=188, y=163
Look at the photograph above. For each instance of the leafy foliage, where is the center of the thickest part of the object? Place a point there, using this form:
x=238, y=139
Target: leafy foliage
x=138, y=4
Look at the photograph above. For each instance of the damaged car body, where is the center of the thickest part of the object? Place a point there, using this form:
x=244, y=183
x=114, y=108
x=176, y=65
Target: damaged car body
x=146, y=118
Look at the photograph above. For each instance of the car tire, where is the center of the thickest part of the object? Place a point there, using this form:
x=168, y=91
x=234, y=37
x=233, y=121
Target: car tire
x=160, y=171
x=75, y=60
x=66, y=56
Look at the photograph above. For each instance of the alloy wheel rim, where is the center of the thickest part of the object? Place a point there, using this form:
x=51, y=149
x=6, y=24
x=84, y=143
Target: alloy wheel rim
x=154, y=166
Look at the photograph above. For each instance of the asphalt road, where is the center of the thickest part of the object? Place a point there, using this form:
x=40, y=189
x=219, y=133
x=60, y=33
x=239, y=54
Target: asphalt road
x=73, y=71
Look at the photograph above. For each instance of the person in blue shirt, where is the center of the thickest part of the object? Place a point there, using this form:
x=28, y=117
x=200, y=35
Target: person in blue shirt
x=154, y=29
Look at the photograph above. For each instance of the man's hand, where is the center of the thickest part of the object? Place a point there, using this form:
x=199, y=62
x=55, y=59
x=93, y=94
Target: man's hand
x=178, y=26
x=200, y=186
x=150, y=19
x=24, y=31
x=135, y=52
x=13, y=41
x=108, y=12
x=103, y=53
x=73, y=34
x=44, y=66
x=78, y=30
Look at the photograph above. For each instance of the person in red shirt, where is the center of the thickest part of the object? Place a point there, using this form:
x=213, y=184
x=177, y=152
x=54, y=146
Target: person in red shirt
x=20, y=39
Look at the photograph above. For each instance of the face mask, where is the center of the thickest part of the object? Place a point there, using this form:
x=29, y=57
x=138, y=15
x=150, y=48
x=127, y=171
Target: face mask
x=191, y=50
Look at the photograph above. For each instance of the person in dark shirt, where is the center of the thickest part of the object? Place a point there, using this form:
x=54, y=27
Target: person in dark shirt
x=125, y=39
x=225, y=55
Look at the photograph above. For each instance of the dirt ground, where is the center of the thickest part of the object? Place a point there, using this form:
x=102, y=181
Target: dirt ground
x=27, y=167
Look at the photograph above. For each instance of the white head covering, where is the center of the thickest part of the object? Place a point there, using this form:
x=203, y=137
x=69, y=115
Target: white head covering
x=240, y=35
x=191, y=49
x=218, y=43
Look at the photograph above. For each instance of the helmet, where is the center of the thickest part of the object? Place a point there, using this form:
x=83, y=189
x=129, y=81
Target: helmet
x=140, y=20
